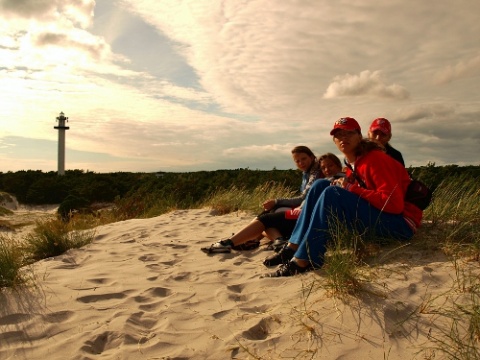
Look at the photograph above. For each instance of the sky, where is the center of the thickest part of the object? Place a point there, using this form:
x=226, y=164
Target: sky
x=188, y=85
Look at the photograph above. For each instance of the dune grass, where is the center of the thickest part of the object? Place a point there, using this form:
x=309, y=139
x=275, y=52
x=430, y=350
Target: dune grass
x=54, y=237
x=225, y=201
x=11, y=261
x=5, y=211
x=452, y=222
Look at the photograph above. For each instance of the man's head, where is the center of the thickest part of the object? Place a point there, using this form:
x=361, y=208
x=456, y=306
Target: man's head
x=380, y=130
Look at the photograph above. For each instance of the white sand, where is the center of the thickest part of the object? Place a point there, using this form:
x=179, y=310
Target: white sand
x=144, y=290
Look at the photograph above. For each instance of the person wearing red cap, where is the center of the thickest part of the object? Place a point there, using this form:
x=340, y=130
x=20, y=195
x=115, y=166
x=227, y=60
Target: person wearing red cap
x=369, y=201
x=381, y=131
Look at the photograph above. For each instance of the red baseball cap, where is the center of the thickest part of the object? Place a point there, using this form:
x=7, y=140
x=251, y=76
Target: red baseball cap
x=346, y=123
x=381, y=124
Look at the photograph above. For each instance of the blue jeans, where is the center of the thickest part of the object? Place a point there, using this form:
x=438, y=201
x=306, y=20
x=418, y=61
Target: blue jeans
x=326, y=203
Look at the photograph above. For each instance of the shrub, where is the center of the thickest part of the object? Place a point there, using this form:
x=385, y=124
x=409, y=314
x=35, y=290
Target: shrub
x=54, y=237
x=70, y=205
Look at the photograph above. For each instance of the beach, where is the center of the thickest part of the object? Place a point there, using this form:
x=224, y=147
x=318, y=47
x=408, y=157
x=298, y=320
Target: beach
x=144, y=290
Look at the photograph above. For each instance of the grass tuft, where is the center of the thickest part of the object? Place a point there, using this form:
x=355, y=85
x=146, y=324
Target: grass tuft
x=452, y=221
x=11, y=261
x=229, y=200
x=54, y=237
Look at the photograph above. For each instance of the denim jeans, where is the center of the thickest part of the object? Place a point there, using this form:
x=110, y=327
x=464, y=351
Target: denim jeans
x=332, y=204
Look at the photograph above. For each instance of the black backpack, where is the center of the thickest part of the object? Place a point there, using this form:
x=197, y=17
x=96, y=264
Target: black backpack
x=418, y=194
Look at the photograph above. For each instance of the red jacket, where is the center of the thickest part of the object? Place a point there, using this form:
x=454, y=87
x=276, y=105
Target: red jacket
x=386, y=182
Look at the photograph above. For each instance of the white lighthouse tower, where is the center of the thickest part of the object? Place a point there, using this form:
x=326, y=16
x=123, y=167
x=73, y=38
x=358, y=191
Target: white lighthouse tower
x=61, y=142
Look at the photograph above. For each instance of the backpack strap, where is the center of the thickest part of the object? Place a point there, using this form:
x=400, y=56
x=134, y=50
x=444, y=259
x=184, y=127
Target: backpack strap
x=355, y=175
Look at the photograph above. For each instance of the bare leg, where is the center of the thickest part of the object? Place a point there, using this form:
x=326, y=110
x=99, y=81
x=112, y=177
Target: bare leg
x=249, y=232
x=272, y=233
x=300, y=262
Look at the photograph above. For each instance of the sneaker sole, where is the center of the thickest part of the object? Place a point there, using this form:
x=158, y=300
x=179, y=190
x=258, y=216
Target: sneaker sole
x=209, y=250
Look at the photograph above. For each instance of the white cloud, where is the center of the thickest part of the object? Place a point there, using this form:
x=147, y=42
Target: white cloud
x=367, y=83
x=461, y=69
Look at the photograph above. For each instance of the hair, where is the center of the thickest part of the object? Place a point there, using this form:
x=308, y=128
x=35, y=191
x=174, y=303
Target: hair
x=367, y=145
x=304, y=150
x=331, y=157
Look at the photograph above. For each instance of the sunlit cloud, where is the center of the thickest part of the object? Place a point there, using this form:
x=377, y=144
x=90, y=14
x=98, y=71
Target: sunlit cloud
x=367, y=83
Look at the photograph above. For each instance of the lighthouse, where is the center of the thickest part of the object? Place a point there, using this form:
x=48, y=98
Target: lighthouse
x=61, y=142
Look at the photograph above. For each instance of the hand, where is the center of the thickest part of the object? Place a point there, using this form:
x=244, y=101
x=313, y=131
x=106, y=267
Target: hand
x=268, y=205
x=339, y=182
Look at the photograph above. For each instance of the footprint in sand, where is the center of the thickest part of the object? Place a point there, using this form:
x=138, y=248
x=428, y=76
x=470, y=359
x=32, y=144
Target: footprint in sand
x=159, y=267
x=184, y=276
x=101, y=281
x=398, y=319
x=177, y=246
x=234, y=293
x=140, y=321
x=102, y=342
x=101, y=297
x=262, y=329
x=148, y=257
x=58, y=317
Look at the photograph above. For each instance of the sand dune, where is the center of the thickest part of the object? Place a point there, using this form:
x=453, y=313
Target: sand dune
x=144, y=290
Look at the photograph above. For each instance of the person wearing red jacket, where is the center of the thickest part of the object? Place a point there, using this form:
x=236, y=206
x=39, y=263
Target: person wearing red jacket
x=368, y=200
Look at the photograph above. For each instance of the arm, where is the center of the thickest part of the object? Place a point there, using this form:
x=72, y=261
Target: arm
x=386, y=182
x=315, y=173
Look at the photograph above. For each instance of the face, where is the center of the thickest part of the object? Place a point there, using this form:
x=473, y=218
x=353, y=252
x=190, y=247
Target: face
x=379, y=137
x=329, y=168
x=347, y=141
x=303, y=161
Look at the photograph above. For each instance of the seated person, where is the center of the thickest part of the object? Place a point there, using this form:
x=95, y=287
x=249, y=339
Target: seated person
x=381, y=132
x=305, y=161
x=331, y=166
x=276, y=225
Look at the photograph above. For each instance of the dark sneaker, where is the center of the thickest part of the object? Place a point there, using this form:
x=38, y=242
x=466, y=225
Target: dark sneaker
x=249, y=245
x=289, y=269
x=282, y=257
x=218, y=248
x=278, y=244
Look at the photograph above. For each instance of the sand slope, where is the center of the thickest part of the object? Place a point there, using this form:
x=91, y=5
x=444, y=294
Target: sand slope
x=144, y=290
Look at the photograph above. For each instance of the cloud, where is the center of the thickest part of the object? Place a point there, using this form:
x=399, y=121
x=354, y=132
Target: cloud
x=28, y=8
x=366, y=84
x=201, y=84
x=82, y=41
x=462, y=69
x=425, y=111
x=77, y=11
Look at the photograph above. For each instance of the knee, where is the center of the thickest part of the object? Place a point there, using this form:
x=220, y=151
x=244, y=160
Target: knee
x=318, y=187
